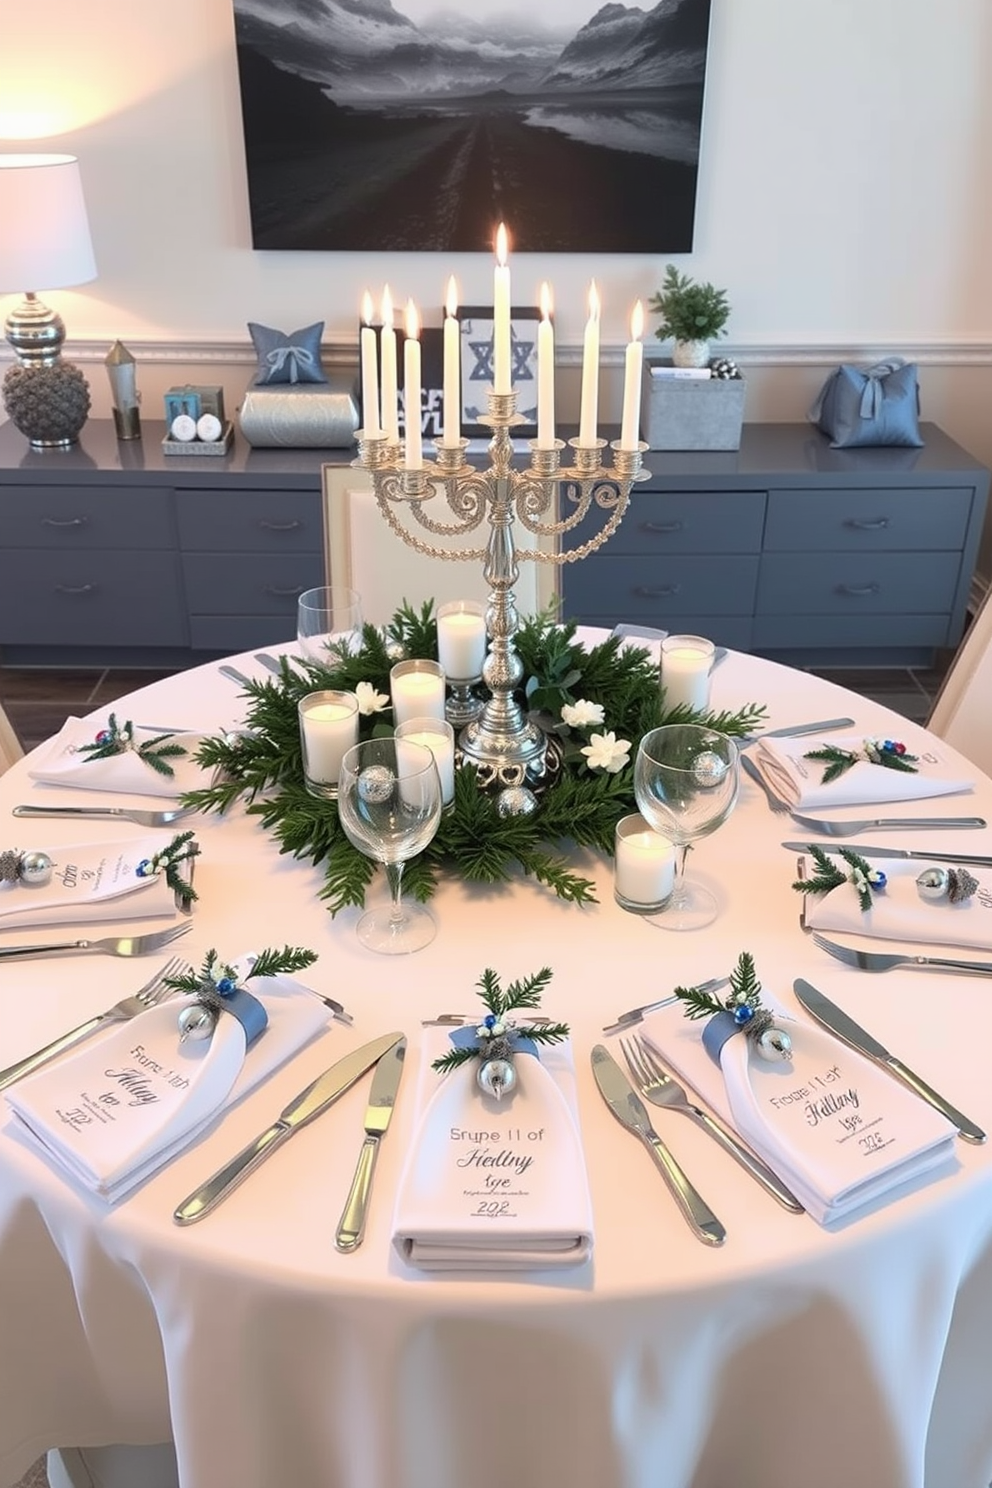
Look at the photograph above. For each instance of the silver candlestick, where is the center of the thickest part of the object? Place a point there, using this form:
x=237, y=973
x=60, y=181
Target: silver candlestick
x=508, y=748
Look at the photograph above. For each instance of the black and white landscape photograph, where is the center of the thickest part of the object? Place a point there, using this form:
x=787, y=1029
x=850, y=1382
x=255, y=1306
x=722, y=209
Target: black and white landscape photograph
x=420, y=125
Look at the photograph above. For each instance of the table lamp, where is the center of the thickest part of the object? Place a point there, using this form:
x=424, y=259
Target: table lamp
x=44, y=240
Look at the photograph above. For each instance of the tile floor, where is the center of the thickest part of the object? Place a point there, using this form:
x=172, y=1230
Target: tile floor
x=38, y=700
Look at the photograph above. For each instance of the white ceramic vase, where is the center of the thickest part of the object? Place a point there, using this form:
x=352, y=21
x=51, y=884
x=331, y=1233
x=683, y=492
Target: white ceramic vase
x=691, y=353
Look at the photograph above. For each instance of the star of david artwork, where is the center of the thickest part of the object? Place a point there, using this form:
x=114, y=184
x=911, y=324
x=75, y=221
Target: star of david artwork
x=477, y=367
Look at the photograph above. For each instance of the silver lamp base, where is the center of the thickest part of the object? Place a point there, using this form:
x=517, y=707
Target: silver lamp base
x=47, y=399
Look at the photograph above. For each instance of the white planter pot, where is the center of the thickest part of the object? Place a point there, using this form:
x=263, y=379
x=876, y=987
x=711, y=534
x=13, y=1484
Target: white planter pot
x=691, y=353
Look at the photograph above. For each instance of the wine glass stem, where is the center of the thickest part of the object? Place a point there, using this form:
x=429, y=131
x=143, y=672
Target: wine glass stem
x=679, y=892
x=394, y=876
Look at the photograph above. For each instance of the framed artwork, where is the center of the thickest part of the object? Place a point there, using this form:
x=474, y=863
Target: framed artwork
x=398, y=126
x=476, y=324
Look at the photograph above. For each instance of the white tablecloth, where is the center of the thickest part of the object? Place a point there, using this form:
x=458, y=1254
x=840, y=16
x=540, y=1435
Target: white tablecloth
x=790, y=1356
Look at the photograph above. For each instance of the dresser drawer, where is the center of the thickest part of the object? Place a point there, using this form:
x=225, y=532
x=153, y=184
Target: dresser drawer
x=813, y=633
x=91, y=599
x=682, y=522
x=638, y=587
x=82, y=517
x=866, y=520
x=249, y=584
x=858, y=583
x=250, y=521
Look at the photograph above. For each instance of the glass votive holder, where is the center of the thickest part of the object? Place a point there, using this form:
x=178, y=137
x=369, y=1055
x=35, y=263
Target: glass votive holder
x=417, y=690
x=461, y=651
x=643, y=867
x=686, y=667
x=437, y=735
x=328, y=729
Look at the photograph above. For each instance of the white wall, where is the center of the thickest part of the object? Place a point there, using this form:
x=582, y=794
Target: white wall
x=843, y=200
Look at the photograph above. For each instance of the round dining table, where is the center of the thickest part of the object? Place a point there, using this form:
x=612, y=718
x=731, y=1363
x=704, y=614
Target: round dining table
x=794, y=1354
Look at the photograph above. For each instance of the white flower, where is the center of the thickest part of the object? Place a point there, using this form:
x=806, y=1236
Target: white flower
x=582, y=713
x=607, y=752
x=370, y=701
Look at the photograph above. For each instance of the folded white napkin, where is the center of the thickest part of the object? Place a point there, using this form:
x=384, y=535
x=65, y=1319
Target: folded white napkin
x=899, y=913
x=799, y=782
x=91, y=882
x=495, y=1185
x=835, y=1127
x=60, y=763
x=126, y=1101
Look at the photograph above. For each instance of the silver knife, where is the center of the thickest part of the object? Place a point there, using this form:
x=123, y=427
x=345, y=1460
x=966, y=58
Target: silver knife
x=300, y=1111
x=378, y=1112
x=270, y=662
x=796, y=730
x=900, y=852
x=234, y=675
x=629, y=1109
x=844, y=1027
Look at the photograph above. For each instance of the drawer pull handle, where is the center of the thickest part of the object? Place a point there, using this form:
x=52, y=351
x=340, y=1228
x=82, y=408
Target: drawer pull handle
x=268, y=526
x=64, y=521
x=859, y=590
x=861, y=524
x=657, y=591
x=293, y=593
x=662, y=526
x=75, y=588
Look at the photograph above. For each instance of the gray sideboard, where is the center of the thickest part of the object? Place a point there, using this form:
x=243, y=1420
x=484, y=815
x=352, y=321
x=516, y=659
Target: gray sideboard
x=786, y=547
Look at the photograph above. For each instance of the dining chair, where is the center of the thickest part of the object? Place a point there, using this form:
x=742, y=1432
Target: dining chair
x=364, y=554
x=962, y=710
x=10, y=744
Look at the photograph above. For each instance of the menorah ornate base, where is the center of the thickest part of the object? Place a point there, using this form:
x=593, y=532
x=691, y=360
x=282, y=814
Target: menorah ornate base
x=549, y=501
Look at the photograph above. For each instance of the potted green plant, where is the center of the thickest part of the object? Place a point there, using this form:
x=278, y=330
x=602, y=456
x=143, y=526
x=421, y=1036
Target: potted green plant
x=692, y=315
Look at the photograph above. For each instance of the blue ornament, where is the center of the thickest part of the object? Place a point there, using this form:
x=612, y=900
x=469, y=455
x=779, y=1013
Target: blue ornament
x=225, y=986
x=743, y=1014
x=877, y=878
x=104, y=736
x=489, y=1020
x=145, y=868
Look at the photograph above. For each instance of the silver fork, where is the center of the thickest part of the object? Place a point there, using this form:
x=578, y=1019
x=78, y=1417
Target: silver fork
x=153, y=992
x=885, y=961
x=119, y=945
x=122, y=813
x=661, y=1088
x=751, y=769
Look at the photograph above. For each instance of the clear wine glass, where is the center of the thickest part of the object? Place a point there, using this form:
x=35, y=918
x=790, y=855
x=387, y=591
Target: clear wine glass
x=389, y=804
x=327, y=618
x=686, y=779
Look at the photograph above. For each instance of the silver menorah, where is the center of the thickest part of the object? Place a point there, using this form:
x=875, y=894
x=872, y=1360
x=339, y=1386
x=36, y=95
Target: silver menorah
x=506, y=745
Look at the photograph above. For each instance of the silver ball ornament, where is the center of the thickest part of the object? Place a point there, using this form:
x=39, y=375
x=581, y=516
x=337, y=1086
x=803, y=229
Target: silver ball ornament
x=497, y=1077
x=35, y=869
x=708, y=769
x=376, y=784
x=196, y=1022
x=516, y=800
x=396, y=651
x=774, y=1044
x=933, y=883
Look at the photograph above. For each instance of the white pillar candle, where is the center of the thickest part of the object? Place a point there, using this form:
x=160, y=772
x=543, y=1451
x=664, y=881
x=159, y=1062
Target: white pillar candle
x=631, y=421
x=413, y=443
x=686, y=664
x=589, y=406
x=370, y=374
x=390, y=403
x=417, y=690
x=461, y=640
x=437, y=735
x=644, y=866
x=328, y=729
x=501, y=317
x=545, y=374
x=452, y=370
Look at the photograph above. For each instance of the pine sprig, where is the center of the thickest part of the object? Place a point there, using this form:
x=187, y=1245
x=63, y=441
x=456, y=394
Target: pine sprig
x=119, y=739
x=838, y=761
x=267, y=963
x=863, y=877
x=745, y=991
x=499, y=1030
x=828, y=877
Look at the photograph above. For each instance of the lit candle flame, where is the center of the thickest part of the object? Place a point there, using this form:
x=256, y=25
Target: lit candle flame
x=501, y=245
x=367, y=308
x=593, y=300
x=387, y=306
x=412, y=321
x=637, y=321
x=545, y=301
x=451, y=303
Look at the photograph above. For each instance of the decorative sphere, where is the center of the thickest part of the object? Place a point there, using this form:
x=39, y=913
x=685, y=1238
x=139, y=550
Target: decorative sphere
x=36, y=869
x=743, y=1014
x=209, y=428
x=376, y=784
x=183, y=428
x=708, y=769
x=497, y=1077
x=48, y=404
x=774, y=1044
x=933, y=883
x=396, y=651
x=516, y=800
x=196, y=1022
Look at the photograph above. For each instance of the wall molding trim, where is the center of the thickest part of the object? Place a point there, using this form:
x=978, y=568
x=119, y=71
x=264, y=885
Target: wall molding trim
x=344, y=356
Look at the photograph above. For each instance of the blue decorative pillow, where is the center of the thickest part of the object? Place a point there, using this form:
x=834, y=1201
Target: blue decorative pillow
x=287, y=359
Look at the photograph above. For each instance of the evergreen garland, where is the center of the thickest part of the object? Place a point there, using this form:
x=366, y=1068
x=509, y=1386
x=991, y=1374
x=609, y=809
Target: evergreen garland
x=263, y=765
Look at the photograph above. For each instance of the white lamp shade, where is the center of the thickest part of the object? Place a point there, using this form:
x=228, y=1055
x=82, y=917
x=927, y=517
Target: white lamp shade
x=44, y=232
